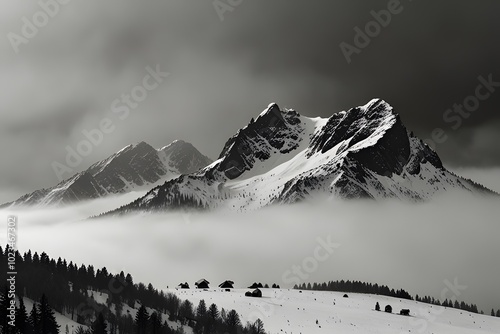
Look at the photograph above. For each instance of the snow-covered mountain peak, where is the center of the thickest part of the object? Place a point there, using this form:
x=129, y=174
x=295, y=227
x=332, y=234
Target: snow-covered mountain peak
x=135, y=167
x=272, y=133
x=271, y=108
x=359, y=129
x=283, y=157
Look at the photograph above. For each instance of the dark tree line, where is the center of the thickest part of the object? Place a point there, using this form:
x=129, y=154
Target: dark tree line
x=71, y=289
x=357, y=287
x=449, y=303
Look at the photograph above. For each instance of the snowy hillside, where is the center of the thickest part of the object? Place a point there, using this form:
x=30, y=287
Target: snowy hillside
x=100, y=299
x=295, y=312
x=283, y=157
x=62, y=320
x=135, y=167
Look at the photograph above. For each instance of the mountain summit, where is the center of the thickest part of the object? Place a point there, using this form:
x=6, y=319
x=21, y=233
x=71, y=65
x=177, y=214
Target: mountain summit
x=283, y=157
x=134, y=167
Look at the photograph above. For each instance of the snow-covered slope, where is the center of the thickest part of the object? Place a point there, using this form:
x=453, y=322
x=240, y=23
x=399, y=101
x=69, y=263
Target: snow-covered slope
x=100, y=298
x=283, y=157
x=62, y=320
x=294, y=312
x=134, y=167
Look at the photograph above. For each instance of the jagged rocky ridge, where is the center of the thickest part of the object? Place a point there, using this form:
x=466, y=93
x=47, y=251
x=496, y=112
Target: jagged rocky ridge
x=134, y=167
x=283, y=157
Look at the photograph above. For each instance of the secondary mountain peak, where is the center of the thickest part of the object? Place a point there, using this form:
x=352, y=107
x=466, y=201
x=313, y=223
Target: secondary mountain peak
x=183, y=157
x=134, y=167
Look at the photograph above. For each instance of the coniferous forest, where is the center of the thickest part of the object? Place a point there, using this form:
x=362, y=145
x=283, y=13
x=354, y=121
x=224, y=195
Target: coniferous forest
x=70, y=289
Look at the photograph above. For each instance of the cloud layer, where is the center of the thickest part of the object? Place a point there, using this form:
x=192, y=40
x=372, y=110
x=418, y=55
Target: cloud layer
x=416, y=247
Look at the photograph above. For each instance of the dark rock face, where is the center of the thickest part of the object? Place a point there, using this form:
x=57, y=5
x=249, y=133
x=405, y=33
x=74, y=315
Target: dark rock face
x=389, y=155
x=271, y=131
x=338, y=128
x=354, y=125
x=423, y=154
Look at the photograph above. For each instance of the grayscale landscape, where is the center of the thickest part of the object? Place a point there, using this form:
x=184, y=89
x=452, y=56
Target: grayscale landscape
x=239, y=166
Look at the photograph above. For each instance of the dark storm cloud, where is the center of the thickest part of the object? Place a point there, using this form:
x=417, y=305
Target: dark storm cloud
x=224, y=72
x=55, y=123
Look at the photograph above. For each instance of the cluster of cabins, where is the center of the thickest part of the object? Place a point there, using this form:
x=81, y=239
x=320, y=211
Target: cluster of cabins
x=203, y=284
x=227, y=286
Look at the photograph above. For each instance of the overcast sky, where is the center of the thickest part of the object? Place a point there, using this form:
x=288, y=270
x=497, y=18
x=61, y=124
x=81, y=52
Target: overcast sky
x=65, y=77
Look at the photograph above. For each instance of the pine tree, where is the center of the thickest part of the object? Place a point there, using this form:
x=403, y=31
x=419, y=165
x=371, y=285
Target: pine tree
x=201, y=310
x=201, y=317
x=141, y=320
x=155, y=323
x=34, y=319
x=377, y=307
x=99, y=326
x=213, y=317
x=498, y=313
x=492, y=312
x=22, y=324
x=48, y=323
x=186, y=311
x=233, y=321
x=258, y=327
